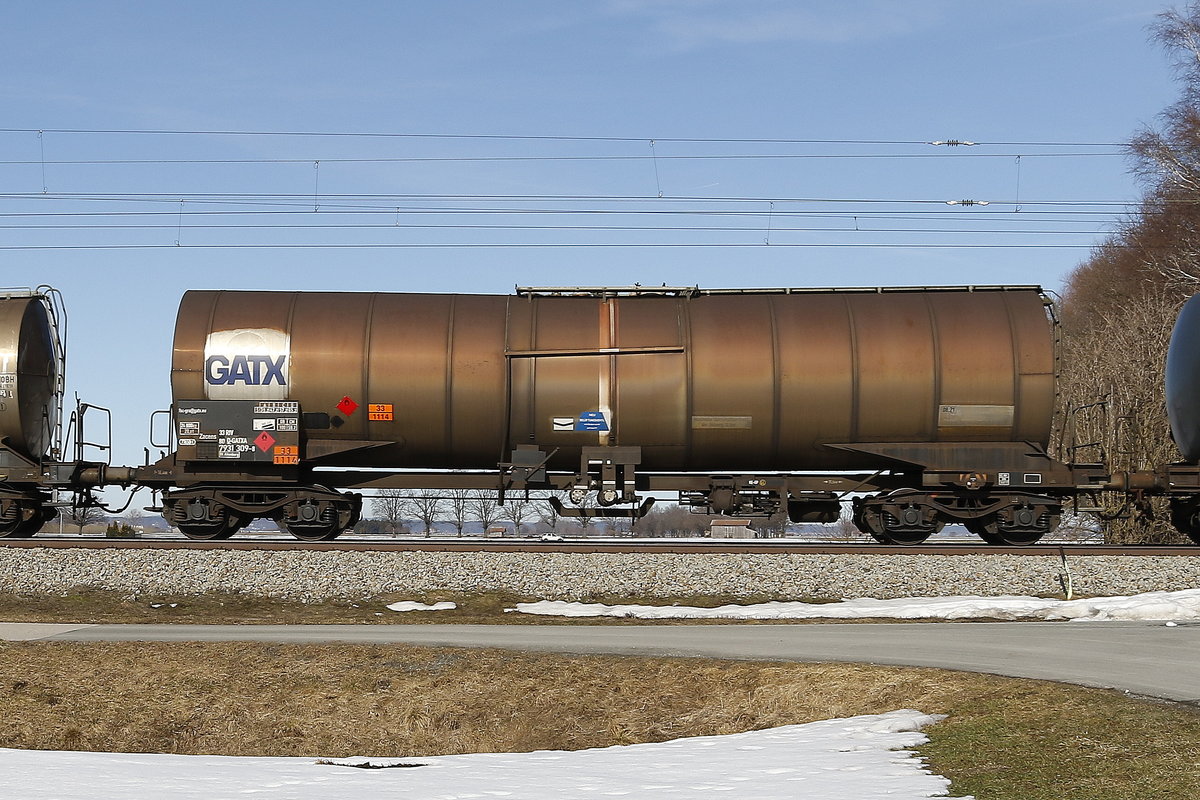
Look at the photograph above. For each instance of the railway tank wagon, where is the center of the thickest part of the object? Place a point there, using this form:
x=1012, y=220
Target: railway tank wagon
x=31, y=389
x=932, y=405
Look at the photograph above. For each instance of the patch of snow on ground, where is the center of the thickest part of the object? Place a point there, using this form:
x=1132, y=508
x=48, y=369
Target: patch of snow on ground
x=863, y=758
x=1180, y=605
x=412, y=605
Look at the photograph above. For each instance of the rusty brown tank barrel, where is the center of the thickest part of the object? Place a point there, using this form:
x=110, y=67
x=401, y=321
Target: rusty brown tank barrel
x=702, y=381
x=29, y=373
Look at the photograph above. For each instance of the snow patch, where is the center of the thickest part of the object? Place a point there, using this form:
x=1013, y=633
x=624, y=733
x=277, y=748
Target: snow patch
x=412, y=605
x=865, y=758
x=1181, y=605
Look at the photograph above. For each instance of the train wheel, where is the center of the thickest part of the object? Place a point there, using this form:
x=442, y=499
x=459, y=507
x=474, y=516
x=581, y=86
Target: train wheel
x=21, y=519
x=867, y=519
x=1185, y=516
x=1025, y=524
x=1017, y=525
x=1000, y=536
x=1014, y=538
x=40, y=516
x=902, y=536
x=313, y=522
x=906, y=525
x=985, y=529
x=204, y=519
x=10, y=518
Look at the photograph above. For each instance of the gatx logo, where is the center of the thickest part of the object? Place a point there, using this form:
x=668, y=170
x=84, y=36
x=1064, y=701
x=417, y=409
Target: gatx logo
x=247, y=363
x=250, y=370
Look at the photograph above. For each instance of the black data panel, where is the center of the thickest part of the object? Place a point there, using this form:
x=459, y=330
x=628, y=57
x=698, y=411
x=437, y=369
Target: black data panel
x=238, y=430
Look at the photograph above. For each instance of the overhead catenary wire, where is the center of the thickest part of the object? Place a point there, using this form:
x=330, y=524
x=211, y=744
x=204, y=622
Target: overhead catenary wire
x=695, y=215
x=512, y=227
x=547, y=137
x=500, y=159
x=304, y=216
x=173, y=197
x=552, y=245
x=991, y=215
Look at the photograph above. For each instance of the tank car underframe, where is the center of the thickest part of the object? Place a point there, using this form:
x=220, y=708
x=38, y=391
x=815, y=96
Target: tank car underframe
x=1006, y=493
x=1179, y=483
x=27, y=487
x=904, y=505
x=891, y=511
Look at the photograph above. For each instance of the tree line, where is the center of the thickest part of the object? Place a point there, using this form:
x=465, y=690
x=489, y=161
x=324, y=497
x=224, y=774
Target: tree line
x=423, y=512
x=1119, y=305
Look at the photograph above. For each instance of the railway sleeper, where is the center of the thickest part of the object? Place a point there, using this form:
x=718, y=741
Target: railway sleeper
x=311, y=513
x=911, y=516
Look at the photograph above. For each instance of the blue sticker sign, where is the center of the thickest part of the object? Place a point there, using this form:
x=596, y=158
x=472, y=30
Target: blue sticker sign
x=591, y=421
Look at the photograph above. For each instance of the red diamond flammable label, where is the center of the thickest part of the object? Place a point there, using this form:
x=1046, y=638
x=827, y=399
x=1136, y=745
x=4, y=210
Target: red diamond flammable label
x=347, y=406
x=263, y=441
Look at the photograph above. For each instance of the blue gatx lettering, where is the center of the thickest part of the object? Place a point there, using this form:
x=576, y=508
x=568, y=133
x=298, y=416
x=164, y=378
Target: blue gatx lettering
x=250, y=370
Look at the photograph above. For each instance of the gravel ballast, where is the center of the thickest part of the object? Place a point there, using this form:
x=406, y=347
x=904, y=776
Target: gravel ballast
x=313, y=576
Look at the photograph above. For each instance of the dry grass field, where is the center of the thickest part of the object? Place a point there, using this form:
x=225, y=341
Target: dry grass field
x=1004, y=738
x=486, y=608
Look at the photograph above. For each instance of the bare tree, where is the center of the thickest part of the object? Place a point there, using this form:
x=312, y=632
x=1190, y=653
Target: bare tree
x=389, y=505
x=372, y=526
x=583, y=523
x=1167, y=158
x=483, y=507
x=1080, y=528
x=426, y=505
x=1119, y=306
x=619, y=526
x=459, y=502
x=1112, y=400
x=671, y=521
x=84, y=515
x=772, y=527
x=844, y=530
x=546, y=512
x=518, y=510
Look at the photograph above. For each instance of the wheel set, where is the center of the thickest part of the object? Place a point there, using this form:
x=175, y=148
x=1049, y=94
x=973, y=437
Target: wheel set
x=309, y=515
x=909, y=517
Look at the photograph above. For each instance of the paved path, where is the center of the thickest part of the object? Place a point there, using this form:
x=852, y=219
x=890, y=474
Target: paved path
x=1142, y=658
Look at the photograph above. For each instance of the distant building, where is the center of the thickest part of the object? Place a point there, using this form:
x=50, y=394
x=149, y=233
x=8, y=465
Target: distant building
x=731, y=529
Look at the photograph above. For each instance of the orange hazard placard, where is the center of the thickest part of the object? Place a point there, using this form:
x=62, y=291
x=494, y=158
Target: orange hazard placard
x=380, y=412
x=286, y=454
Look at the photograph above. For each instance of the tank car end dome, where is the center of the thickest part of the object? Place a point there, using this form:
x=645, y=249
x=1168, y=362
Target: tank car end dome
x=1183, y=381
x=29, y=373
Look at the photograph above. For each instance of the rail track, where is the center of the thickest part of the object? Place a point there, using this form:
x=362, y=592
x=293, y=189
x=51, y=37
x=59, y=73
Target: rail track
x=450, y=545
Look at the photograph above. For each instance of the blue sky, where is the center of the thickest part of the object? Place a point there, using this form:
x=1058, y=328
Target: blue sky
x=607, y=77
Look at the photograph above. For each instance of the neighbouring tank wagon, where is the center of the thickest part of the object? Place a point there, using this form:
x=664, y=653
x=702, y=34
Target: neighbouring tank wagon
x=927, y=406
x=30, y=372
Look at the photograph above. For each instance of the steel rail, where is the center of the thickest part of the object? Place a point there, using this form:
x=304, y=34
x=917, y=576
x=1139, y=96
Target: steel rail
x=606, y=546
